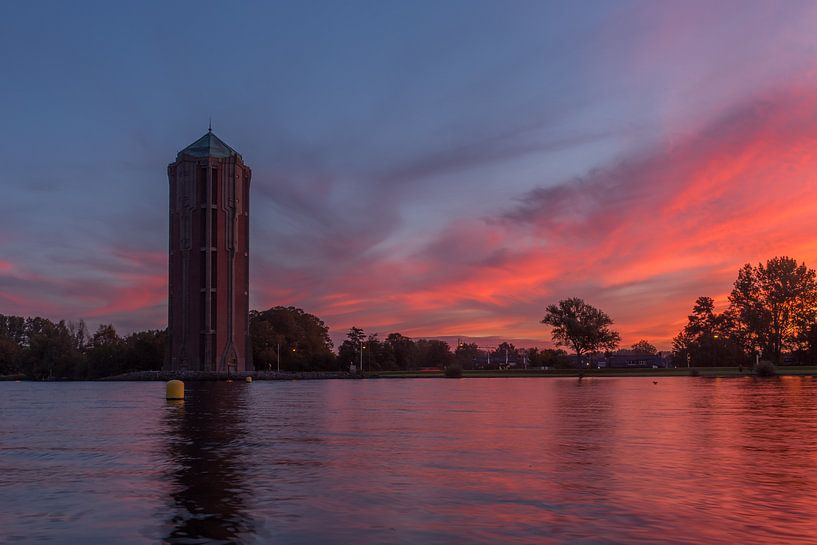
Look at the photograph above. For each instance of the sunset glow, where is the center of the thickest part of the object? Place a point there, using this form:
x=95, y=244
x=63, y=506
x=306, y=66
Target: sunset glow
x=440, y=184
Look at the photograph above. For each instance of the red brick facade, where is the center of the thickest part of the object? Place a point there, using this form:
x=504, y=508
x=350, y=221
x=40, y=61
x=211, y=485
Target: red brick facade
x=208, y=305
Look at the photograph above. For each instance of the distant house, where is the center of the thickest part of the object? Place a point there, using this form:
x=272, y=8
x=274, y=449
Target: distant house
x=632, y=359
x=621, y=359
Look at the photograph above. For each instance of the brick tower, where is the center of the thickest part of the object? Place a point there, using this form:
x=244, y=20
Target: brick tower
x=208, y=325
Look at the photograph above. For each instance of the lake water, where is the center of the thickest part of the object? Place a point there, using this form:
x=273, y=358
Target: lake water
x=423, y=461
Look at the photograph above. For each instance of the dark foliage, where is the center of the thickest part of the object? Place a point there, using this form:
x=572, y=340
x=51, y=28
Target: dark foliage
x=580, y=326
x=710, y=338
x=300, y=339
x=39, y=349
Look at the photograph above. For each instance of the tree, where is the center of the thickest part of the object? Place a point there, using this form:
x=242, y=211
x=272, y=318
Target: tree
x=49, y=350
x=351, y=349
x=644, y=347
x=548, y=357
x=710, y=338
x=401, y=350
x=434, y=353
x=580, y=326
x=303, y=340
x=466, y=354
x=504, y=352
x=106, y=356
x=374, y=352
x=776, y=302
x=144, y=350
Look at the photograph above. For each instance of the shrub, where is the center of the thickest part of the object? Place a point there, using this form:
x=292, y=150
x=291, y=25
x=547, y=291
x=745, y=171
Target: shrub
x=765, y=369
x=453, y=371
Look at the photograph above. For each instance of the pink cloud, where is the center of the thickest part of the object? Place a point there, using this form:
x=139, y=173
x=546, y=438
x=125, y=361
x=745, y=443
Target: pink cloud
x=641, y=238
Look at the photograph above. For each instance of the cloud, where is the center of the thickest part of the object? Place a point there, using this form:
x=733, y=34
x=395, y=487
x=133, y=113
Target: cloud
x=642, y=238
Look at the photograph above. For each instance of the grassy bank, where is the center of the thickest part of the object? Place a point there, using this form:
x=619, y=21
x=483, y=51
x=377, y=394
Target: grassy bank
x=803, y=370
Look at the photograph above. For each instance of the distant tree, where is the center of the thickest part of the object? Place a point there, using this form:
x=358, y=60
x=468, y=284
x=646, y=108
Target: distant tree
x=434, y=353
x=710, y=338
x=374, y=353
x=12, y=339
x=776, y=302
x=644, y=347
x=265, y=341
x=303, y=339
x=40, y=348
x=548, y=357
x=580, y=326
x=106, y=355
x=466, y=355
x=351, y=349
x=402, y=351
x=10, y=353
x=49, y=350
x=504, y=352
x=144, y=350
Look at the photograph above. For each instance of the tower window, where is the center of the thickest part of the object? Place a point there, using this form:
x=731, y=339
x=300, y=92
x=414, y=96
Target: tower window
x=201, y=185
x=214, y=181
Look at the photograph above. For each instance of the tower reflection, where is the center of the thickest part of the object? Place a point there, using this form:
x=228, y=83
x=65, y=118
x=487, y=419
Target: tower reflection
x=207, y=465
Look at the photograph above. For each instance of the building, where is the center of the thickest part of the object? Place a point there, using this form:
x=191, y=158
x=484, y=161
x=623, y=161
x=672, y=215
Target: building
x=208, y=304
x=628, y=359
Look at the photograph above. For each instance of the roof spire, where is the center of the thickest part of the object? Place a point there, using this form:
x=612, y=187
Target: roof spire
x=210, y=125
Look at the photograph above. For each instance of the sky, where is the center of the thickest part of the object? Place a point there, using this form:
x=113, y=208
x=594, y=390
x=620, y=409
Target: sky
x=441, y=168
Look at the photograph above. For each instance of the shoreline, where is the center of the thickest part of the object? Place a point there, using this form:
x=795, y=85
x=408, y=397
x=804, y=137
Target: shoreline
x=198, y=376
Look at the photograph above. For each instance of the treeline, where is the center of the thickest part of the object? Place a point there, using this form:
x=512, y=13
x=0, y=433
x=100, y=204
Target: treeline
x=289, y=339
x=285, y=338
x=772, y=315
x=39, y=348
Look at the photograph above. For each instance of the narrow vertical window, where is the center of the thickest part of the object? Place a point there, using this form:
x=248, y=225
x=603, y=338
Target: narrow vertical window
x=203, y=310
x=214, y=181
x=213, y=314
x=201, y=185
x=203, y=226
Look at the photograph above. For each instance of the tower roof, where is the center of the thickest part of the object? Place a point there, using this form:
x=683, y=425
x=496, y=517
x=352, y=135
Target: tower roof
x=209, y=145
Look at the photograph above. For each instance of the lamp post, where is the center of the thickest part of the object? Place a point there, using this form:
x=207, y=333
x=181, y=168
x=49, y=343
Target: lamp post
x=362, y=346
x=278, y=356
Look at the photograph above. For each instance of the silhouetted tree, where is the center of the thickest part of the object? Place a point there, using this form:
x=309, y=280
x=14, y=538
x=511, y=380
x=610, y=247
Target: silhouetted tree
x=302, y=337
x=106, y=356
x=504, y=352
x=776, y=302
x=144, y=350
x=49, y=350
x=580, y=326
x=644, y=347
x=403, y=350
x=548, y=357
x=710, y=338
x=350, y=351
x=466, y=355
x=434, y=353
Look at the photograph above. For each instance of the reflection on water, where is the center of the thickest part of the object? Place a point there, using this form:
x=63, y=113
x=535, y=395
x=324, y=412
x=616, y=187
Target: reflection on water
x=208, y=466
x=539, y=461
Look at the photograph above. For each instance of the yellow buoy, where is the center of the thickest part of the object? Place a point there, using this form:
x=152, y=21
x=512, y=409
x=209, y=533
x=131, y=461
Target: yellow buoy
x=248, y=379
x=175, y=389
